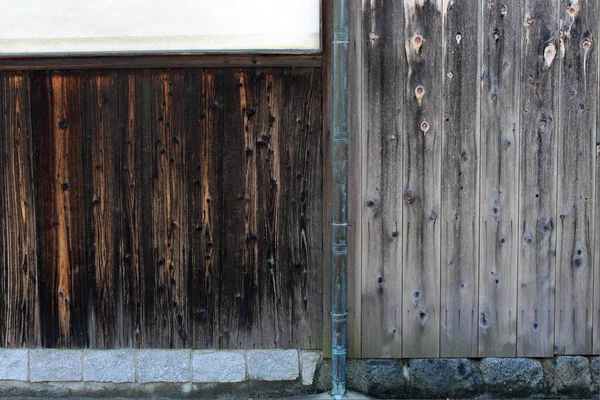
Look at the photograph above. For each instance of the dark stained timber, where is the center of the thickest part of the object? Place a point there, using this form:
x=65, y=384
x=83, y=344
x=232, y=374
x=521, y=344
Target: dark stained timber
x=127, y=221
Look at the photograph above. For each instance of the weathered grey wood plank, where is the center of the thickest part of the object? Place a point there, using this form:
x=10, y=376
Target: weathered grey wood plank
x=19, y=302
x=576, y=154
x=500, y=140
x=421, y=160
x=537, y=177
x=382, y=171
x=460, y=182
x=327, y=76
x=355, y=170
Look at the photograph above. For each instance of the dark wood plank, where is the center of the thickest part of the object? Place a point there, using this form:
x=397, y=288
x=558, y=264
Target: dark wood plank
x=460, y=182
x=169, y=211
x=537, y=177
x=103, y=204
x=61, y=207
x=577, y=151
x=162, y=61
x=204, y=119
x=500, y=141
x=422, y=133
x=296, y=116
x=139, y=289
x=19, y=303
x=239, y=230
x=382, y=143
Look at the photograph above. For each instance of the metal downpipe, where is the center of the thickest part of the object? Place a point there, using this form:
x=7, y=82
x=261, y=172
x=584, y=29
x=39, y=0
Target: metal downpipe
x=339, y=231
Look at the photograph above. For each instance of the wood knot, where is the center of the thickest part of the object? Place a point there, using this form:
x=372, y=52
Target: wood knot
x=458, y=38
x=63, y=124
x=549, y=54
x=587, y=43
x=503, y=10
x=395, y=234
x=433, y=215
x=373, y=36
x=419, y=93
x=496, y=35
x=409, y=196
x=417, y=42
x=529, y=20
x=424, y=127
x=65, y=186
x=572, y=10
x=380, y=279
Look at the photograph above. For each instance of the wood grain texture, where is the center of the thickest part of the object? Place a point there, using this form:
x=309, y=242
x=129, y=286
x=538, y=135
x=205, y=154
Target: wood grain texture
x=576, y=156
x=114, y=194
x=382, y=144
x=499, y=178
x=204, y=118
x=421, y=159
x=537, y=199
x=102, y=174
x=19, y=302
x=261, y=308
x=162, y=61
x=136, y=211
x=327, y=96
x=63, y=265
x=460, y=183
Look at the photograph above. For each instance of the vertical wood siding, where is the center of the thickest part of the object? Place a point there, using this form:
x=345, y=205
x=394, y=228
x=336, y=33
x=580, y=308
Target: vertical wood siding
x=161, y=208
x=495, y=201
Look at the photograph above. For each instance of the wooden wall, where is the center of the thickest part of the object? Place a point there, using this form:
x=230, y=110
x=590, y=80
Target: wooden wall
x=476, y=167
x=161, y=208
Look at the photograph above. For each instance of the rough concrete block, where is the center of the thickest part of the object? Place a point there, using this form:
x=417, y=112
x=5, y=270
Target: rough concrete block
x=512, y=376
x=51, y=365
x=163, y=366
x=219, y=366
x=115, y=366
x=446, y=377
x=574, y=373
x=595, y=366
x=13, y=365
x=273, y=365
x=308, y=365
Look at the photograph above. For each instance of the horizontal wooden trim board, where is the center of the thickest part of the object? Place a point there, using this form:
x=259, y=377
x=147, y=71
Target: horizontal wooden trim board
x=303, y=60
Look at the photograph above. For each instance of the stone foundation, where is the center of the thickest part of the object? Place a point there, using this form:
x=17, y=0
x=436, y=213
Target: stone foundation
x=564, y=377
x=278, y=373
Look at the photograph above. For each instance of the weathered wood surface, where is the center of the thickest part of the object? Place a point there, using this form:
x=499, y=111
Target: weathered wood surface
x=421, y=159
x=500, y=140
x=19, y=301
x=382, y=144
x=119, y=191
x=576, y=165
x=460, y=183
x=537, y=199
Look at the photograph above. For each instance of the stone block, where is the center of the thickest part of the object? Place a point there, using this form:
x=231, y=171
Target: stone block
x=273, y=365
x=116, y=366
x=574, y=374
x=308, y=365
x=51, y=365
x=512, y=376
x=445, y=377
x=163, y=366
x=218, y=366
x=13, y=365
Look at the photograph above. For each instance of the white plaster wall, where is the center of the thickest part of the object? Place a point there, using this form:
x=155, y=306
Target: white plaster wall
x=81, y=26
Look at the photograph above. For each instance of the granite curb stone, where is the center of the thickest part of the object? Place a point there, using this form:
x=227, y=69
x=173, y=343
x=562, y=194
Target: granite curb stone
x=273, y=365
x=218, y=366
x=13, y=364
x=117, y=366
x=51, y=365
x=163, y=366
